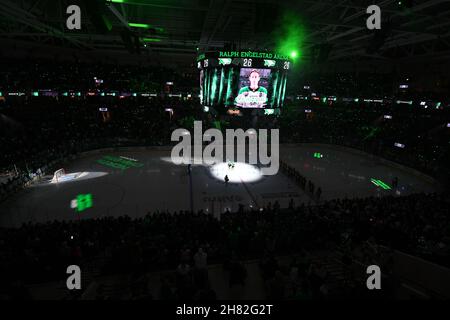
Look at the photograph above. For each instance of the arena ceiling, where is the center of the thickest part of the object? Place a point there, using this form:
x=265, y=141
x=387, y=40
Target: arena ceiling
x=176, y=29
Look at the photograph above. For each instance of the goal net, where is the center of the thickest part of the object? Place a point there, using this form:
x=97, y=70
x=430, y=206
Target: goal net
x=58, y=175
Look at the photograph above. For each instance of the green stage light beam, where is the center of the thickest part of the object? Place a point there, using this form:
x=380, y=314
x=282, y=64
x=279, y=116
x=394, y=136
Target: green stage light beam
x=151, y=39
x=222, y=83
x=375, y=182
x=139, y=25
x=275, y=86
x=228, y=99
x=290, y=35
x=380, y=184
x=384, y=185
x=213, y=87
x=144, y=26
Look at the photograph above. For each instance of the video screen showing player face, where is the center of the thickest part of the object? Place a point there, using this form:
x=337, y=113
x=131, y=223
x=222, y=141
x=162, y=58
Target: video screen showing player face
x=253, y=88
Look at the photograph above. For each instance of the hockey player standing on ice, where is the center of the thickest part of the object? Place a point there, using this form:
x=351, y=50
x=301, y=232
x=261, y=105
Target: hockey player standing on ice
x=226, y=180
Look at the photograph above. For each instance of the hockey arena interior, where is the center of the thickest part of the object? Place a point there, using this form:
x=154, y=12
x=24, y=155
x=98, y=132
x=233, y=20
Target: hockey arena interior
x=109, y=109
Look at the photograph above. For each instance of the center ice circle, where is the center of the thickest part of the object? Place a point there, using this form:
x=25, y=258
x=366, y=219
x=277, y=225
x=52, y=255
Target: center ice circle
x=237, y=173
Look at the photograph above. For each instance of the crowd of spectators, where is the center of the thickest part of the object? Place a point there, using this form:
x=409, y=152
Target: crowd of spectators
x=183, y=241
x=63, y=74
x=349, y=84
x=374, y=85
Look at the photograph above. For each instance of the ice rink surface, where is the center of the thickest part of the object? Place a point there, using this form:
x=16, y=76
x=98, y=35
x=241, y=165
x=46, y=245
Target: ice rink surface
x=158, y=184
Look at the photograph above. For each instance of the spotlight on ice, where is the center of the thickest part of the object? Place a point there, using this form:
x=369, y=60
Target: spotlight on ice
x=73, y=177
x=238, y=173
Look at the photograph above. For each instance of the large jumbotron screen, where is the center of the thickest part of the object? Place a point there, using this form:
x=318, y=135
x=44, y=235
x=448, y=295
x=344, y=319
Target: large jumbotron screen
x=243, y=79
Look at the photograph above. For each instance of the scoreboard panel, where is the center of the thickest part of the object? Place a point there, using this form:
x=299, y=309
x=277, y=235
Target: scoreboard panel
x=244, y=63
x=243, y=79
